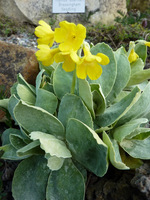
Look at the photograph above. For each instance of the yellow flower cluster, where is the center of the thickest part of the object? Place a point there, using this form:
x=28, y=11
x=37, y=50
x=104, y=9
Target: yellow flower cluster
x=71, y=39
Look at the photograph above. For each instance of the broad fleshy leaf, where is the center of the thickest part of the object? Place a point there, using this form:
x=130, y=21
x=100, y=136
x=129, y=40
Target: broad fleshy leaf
x=22, y=81
x=87, y=147
x=17, y=141
x=6, y=135
x=9, y=152
x=30, y=149
x=66, y=183
x=13, y=100
x=137, y=148
x=139, y=77
x=117, y=110
x=123, y=131
x=30, y=179
x=33, y=118
x=137, y=66
x=107, y=79
x=123, y=76
x=141, y=50
x=86, y=95
x=39, y=79
x=114, y=154
x=50, y=144
x=46, y=100
x=62, y=81
x=55, y=163
x=4, y=103
x=71, y=106
x=140, y=108
x=98, y=99
x=25, y=94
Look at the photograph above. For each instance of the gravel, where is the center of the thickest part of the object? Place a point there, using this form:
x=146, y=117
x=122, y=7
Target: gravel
x=23, y=39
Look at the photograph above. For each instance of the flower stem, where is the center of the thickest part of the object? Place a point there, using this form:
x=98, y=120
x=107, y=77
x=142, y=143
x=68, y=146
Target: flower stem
x=73, y=82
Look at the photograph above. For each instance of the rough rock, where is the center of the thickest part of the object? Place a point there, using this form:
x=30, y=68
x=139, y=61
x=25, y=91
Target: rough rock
x=16, y=59
x=141, y=180
x=104, y=11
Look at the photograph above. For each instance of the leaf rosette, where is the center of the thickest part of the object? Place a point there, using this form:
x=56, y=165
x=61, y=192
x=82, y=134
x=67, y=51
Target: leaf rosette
x=84, y=113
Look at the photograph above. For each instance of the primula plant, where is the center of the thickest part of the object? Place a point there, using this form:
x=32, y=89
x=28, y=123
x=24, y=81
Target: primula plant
x=89, y=108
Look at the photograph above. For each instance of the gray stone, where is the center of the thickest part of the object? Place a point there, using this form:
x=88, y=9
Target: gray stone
x=104, y=11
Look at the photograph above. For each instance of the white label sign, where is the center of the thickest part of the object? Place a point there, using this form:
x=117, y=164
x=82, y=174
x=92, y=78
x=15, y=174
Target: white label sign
x=68, y=6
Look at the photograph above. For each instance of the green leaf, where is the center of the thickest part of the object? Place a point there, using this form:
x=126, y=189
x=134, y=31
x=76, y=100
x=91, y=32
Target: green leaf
x=67, y=183
x=137, y=66
x=6, y=134
x=25, y=94
x=139, y=77
x=141, y=50
x=122, y=78
x=17, y=141
x=62, y=81
x=39, y=79
x=13, y=100
x=22, y=81
x=137, y=148
x=71, y=106
x=13, y=90
x=48, y=69
x=139, y=133
x=131, y=162
x=139, y=109
x=55, y=163
x=4, y=103
x=46, y=100
x=122, y=131
x=33, y=118
x=87, y=147
x=48, y=87
x=30, y=149
x=114, y=154
x=30, y=179
x=50, y=144
x=86, y=95
x=9, y=152
x=107, y=79
x=117, y=110
x=98, y=99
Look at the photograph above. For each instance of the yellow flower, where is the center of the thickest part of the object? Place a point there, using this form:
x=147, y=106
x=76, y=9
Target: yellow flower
x=133, y=56
x=68, y=63
x=147, y=44
x=70, y=36
x=46, y=55
x=45, y=34
x=89, y=65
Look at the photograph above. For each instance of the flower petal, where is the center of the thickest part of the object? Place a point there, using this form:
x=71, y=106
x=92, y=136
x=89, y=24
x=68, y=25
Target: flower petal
x=70, y=36
x=147, y=44
x=94, y=70
x=46, y=55
x=81, y=70
x=133, y=56
x=45, y=33
x=104, y=59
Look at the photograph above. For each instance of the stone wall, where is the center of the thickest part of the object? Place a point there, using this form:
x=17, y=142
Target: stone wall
x=104, y=11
